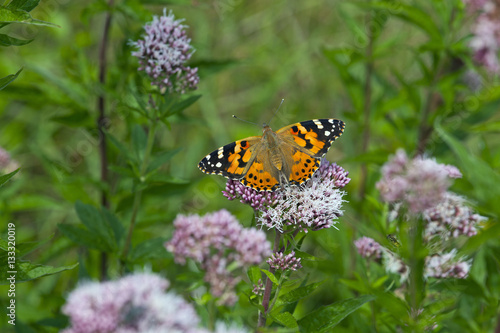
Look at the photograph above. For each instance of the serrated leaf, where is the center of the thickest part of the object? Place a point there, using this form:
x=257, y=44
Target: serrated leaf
x=254, y=274
x=162, y=158
x=95, y=222
x=299, y=293
x=6, y=40
x=150, y=249
x=26, y=271
x=286, y=319
x=270, y=275
x=5, y=81
x=22, y=249
x=327, y=317
x=121, y=147
x=115, y=224
x=27, y=5
x=84, y=237
x=139, y=141
x=14, y=15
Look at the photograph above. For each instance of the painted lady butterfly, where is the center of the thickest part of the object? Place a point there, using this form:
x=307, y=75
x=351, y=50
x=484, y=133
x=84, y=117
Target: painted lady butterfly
x=290, y=155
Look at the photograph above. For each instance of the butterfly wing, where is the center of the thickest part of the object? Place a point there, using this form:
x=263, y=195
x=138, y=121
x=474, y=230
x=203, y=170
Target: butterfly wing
x=306, y=142
x=231, y=160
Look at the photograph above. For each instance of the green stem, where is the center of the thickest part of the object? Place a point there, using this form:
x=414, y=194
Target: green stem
x=269, y=285
x=276, y=293
x=138, y=192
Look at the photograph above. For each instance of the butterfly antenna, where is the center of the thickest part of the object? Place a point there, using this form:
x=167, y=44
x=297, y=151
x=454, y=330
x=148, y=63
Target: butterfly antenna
x=275, y=112
x=246, y=121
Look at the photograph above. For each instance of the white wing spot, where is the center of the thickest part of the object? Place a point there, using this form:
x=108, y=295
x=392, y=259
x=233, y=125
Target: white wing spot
x=220, y=153
x=327, y=133
x=330, y=121
x=318, y=123
x=207, y=157
x=218, y=165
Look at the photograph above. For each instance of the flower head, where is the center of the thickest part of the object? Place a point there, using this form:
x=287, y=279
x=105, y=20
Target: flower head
x=368, y=248
x=312, y=206
x=450, y=218
x=133, y=304
x=486, y=40
x=446, y=265
x=420, y=182
x=282, y=262
x=216, y=241
x=163, y=52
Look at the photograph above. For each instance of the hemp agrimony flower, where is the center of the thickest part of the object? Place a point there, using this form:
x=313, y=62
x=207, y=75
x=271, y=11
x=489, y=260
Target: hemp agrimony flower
x=133, y=304
x=163, y=52
x=282, y=262
x=486, y=40
x=312, y=206
x=419, y=182
x=368, y=248
x=216, y=241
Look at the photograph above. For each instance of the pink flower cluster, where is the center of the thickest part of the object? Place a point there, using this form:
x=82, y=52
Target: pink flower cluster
x=282, y=262
x=450, y=218
x=419, y=182
x=312, y=206
x=7, y=164
x=163, y=52
x=133, y=304
x=438, y=265
x=217, y=241
x=368, y=248
x=486, y=40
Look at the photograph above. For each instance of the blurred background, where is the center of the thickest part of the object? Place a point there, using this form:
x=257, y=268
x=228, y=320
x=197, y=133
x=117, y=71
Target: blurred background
x=400, y=74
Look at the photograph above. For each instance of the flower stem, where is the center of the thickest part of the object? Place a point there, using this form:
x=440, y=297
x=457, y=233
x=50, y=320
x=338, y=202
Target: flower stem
x=101, y=125
x=138, y=192
x=269, y=285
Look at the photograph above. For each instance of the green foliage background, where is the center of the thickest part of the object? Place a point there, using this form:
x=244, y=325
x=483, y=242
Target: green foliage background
x=393, y=71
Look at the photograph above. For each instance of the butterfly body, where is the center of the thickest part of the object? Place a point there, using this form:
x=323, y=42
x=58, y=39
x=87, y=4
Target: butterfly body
x=290, y=155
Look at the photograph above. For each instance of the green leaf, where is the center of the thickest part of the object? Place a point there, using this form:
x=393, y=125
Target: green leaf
x=22, y=249
x=327, y=317
x=84, y=237
x=26, y=271
x=150, y=249
x=182, y=105
x=5, y=178
x=75, y=119
x=122, y=148
x=209, y=67
x=6, y=40
x=26, y=5
x=95, y=222
x=115, y=224
x=14, y=15
x=286, y=319
x=254, y=274
x=484, y=176
x=139, y=141
x=162, y=158
x=299, y=293
x=5, y=81
x=270, y=276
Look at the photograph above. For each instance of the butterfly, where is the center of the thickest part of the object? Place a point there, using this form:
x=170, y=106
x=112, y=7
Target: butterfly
x=290, y=155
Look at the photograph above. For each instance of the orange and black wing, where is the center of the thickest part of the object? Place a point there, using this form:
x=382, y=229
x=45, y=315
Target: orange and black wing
x=309, y=140
x=231, y=160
